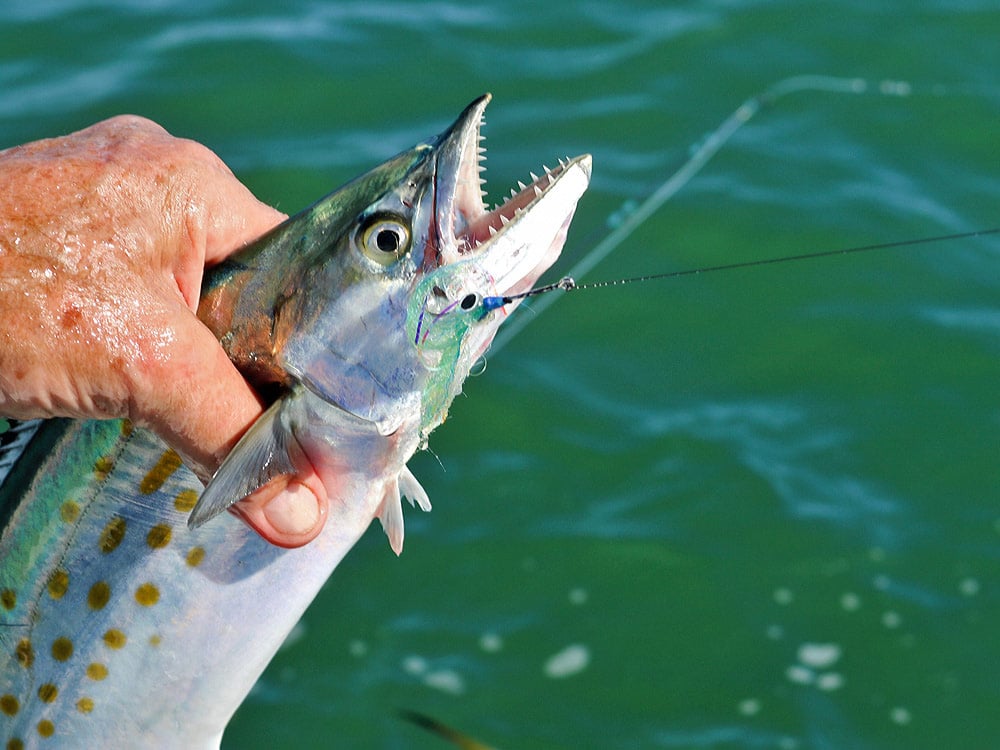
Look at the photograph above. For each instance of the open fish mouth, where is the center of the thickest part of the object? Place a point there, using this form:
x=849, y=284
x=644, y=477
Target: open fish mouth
x=516, y=241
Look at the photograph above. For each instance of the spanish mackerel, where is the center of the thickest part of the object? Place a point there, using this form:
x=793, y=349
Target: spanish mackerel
x=129, y=615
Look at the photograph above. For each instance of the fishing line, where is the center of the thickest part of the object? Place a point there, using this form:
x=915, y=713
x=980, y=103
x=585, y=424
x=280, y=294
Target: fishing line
x=628, y=219
x=569, y=284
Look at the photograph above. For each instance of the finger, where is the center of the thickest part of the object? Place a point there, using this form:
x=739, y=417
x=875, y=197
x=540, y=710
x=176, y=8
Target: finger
x=236, y=219
x=225, y=213
x=201, y=407
x=193, y=397
x=287, y=512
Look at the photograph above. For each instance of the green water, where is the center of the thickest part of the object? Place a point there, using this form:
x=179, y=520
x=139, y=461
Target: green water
x=754, y=509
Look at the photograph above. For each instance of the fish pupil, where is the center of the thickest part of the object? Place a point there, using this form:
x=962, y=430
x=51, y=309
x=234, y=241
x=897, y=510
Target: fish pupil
x=468, y=301
x=387, y=241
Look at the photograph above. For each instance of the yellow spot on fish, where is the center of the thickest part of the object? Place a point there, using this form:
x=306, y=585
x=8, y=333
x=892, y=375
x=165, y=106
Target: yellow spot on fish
x=69, y=511
x=112, y=535
x=46, y=728
x=114, y=639
x=9, y=705
x=126, y=427
x=185, y=500
x=96, y=671
x=48, y=692
x=103, y=467
x=155, y=640
x=158, y=536
x=62, y=649
x=195, y=555
x=8, y=599
x=85, y=705
x=169, y=463
x=98, y=595
x=147, y=595
x=58, y=584
x=15, y=744
x=25, y=653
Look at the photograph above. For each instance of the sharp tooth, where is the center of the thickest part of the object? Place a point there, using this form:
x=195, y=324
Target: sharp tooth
x=521, y=185
x=548, y=171
x=504, y=221
x=513, y=192
x=493, y=230
x=534, y=177
x=538, y=192
x=563, y=163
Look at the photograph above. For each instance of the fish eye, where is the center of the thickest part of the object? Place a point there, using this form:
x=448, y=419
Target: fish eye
x=470, y=301
x=385, y=238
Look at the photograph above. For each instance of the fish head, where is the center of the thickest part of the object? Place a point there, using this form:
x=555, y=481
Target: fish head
x=372, y=298
x=471, y=254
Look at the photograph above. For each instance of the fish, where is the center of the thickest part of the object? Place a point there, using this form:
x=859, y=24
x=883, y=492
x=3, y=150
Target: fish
x=134, y=611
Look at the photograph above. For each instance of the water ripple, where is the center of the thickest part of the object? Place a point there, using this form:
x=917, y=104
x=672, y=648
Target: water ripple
x=787, y=445
x=30, y=92
x=971, y=320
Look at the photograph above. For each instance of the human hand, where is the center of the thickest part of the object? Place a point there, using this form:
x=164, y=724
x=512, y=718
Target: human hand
x=104, y=237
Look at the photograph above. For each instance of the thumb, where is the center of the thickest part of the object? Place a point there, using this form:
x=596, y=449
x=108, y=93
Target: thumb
x=200, y=405
x=288, y=511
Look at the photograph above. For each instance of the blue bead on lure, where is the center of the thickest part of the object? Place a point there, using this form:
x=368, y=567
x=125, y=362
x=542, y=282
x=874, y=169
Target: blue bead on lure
x=566, y=283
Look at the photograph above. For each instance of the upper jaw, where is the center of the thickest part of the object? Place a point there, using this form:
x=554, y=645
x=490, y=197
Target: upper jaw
x=458, y=194
x=518, y=240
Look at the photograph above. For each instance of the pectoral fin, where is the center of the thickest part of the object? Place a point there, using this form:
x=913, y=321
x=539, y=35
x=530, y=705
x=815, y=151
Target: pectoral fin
x=268, y=450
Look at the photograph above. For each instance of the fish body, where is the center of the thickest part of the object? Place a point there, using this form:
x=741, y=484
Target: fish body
x=129, y=615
